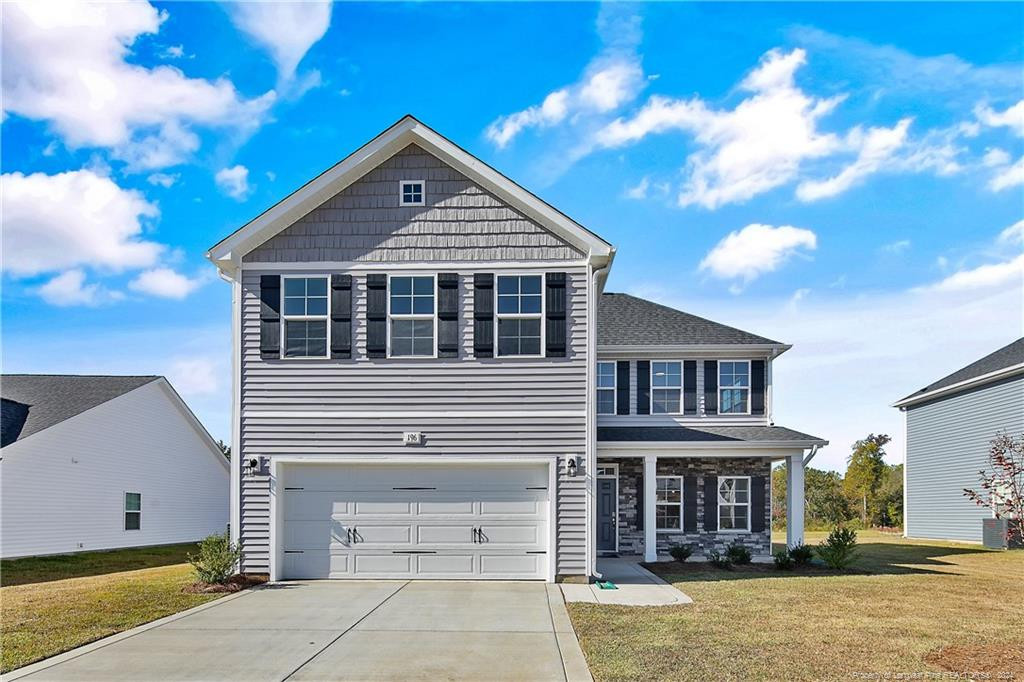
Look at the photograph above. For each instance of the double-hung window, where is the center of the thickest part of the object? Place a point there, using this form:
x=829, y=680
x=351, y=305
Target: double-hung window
x=668, y=503
x=734, y=387
x=305, y=317
x=733, y=503
x=132, y=511
x=411, y=308
x=666, y=387
x=520, y=309
x=606, y=388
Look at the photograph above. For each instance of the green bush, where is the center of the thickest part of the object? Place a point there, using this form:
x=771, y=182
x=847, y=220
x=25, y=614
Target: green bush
x=783, y=560
x=738, y=554
x=719, y=560
x=216, y=560
x=801, y=554
x=838, y=550
x=680, y=552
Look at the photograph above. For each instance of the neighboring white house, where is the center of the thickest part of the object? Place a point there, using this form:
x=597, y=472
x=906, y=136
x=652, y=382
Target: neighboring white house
x=103, y=462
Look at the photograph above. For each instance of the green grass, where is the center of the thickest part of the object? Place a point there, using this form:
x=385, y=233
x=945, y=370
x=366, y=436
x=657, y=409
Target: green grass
x=901, y=604
x=53, y=604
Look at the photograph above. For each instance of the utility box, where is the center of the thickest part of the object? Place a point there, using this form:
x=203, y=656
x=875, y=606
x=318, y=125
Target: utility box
x=995, y=533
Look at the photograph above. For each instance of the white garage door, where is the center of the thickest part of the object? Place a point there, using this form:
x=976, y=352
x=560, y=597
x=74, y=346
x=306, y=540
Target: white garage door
x=419, y=521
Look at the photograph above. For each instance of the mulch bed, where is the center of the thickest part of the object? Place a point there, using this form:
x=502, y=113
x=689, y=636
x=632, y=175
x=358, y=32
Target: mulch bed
x=235, y=583
x=666, y=568
x=981, y=660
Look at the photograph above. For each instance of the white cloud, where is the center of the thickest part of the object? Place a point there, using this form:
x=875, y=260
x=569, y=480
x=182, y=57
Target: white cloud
x=1007, y=176
x=195, y=375
x=755, y=250
x=165, y=180
x=69, y=288
x=54, y=222
x=611, y=80
x=898, y=246
x=234, y=181
x=992, y=275
x=638, y=191
x=173, y=52
x=165, y=283
x=876, y=147
x=287, y=30
x=65, y=63
x=743, y=152
x=1012, y=117
x=995, y=157
x=1013, y=235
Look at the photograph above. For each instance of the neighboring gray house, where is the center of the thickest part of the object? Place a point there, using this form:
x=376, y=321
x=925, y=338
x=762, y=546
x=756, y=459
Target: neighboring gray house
x=104, y=462
x=429, y=382
x=949, y=425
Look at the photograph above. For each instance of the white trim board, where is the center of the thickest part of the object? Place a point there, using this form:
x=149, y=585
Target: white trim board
x=961, y=385
x=227, y=254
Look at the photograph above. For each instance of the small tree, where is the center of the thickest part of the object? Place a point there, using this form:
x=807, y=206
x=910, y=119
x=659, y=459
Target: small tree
x=1002, y=484
x=216, y=560
x=864, y=471
x=225, y=449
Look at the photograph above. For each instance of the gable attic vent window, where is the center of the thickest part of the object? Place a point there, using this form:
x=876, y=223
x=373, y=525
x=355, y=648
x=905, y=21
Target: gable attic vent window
x=411, y=193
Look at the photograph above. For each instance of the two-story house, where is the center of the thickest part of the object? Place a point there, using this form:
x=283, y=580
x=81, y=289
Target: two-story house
x=430, y=383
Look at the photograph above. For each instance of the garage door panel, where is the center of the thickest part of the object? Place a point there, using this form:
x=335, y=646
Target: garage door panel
x=463, y=507
x=383, y=534
x=368, y=508
x=372, y=565
x=304, y=504
x=495, y=565
x=444, y=534
x=510, y=506
x=315, y=564
x=314, y=534
x=444, y=565
x=520, y=534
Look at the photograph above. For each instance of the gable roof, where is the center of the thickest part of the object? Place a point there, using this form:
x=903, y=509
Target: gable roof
x=1006, y=361
x=33, y=402
x=624, y=320
x=227, y=253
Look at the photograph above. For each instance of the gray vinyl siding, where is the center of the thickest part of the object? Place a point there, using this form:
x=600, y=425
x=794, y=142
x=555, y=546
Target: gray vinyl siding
x=460, y=221
x=370, y=395
x=947, y=445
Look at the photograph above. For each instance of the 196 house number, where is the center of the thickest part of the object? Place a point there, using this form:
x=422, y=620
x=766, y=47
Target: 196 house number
x=412, y=438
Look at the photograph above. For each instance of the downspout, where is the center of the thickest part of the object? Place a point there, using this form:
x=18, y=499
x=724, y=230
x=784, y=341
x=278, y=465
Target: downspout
x=810, y=455
x=591, y=454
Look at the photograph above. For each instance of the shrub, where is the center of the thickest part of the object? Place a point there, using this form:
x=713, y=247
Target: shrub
x=680, y=552
x=838, y=550
x=783, y=560
x=216, y=560
x=801, y=554
x=719, y=560
x=738, y=554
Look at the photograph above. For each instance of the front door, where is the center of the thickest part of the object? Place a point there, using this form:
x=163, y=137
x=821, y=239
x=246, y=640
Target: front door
x=607, y=508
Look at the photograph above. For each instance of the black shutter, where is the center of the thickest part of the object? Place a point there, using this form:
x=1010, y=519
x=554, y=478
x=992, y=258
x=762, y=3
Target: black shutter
x=689, y=504
x=757, y=380
x=376, y=316
x=711, y=503
x=483, y=315
x=757, y=504
x=447, y=315
x=690, y=387
x=643, y=386
x=554, y=311
x=710, y=387
x=341, y=316
x=622, y=387
x=270, y=316
x=640, y=502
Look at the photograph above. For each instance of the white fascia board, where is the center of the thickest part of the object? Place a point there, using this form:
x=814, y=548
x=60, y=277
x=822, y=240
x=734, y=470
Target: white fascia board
x=962, y=385
x=227, y=254
x=715, y=446
x=738, y=349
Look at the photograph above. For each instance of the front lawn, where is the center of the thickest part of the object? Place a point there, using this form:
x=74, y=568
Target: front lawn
x=907, y=607
x=52, y=604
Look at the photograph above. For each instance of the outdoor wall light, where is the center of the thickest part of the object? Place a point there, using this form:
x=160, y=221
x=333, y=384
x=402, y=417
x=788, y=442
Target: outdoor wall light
x=571, y=466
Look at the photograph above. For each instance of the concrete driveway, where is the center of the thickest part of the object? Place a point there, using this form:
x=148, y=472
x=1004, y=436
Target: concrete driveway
x=358, y=630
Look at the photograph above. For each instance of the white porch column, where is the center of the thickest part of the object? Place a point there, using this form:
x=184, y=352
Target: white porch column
x=650, y=491
x=795, y=499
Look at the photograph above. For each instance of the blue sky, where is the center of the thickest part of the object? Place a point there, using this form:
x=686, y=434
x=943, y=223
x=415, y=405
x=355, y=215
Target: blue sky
x=843, y=177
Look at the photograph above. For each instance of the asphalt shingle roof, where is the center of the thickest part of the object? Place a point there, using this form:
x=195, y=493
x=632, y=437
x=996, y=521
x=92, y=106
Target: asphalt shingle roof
x=624, y=320
x=767, y=434
x=1007, y=356
x=33, y=402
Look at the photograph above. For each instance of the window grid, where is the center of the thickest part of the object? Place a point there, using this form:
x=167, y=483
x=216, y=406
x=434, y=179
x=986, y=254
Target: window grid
x=411, y=193
x=606, y=388
x=666, y=387
x=668, y=503
x=133, y=511
x=411, y=309
x=304, y=313
x=734, y=387
x=734, y=503
x=520, y=311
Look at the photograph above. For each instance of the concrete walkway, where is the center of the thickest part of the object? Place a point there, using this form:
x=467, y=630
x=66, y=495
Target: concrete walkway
x=637, y=586
x=344, y=630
